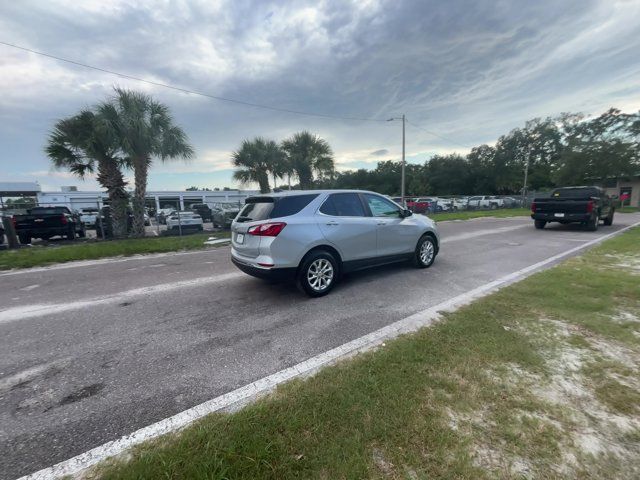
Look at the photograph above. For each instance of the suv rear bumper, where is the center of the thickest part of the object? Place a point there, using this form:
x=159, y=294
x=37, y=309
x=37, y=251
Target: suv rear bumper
x=265, y=272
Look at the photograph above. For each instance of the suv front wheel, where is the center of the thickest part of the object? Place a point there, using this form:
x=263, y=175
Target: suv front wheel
x=318, y=273
x=425, y=253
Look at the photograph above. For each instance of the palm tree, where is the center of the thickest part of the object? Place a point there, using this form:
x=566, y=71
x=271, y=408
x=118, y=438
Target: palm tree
x=82, y=145
x=255, y=160
x=308, y=154
x=145, y=130
x=277, y=164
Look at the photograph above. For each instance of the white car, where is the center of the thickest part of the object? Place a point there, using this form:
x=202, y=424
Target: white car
x=459, y=203
x=184, y=220
x=89, y=216
x=483, y=201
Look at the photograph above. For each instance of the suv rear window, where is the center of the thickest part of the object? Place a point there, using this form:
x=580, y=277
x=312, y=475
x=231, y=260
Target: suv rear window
x=263, y=208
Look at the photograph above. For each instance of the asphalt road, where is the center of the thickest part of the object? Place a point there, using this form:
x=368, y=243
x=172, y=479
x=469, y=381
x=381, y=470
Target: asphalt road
x=92, y=352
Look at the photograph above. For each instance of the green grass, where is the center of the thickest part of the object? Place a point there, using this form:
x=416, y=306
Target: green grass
x=472, y=397
x=469, y=214
x=90, y=250
x=629, y=209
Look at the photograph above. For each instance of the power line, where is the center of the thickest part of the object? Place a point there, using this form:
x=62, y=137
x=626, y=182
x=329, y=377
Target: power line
x=192, y=92
x=439, y=136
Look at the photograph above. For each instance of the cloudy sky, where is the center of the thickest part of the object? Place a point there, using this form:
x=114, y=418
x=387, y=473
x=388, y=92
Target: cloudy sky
x=467, y=71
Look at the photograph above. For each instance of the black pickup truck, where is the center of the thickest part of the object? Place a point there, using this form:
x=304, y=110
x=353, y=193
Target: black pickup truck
x=585, y=205
x=47, y=222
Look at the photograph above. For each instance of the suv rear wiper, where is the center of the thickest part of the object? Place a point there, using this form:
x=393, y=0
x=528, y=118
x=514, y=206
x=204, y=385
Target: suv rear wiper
x=244, y=219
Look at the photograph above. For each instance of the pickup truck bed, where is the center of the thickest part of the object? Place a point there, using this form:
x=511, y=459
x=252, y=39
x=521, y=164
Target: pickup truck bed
x=585, y=205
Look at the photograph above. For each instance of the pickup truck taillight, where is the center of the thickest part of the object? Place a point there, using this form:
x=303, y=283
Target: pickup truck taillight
x=533, y=207
x=14, y=221
x=590, y=206
x=63, y=219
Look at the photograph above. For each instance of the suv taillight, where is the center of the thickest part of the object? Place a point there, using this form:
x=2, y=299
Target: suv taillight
x=267, y=229
x=590, y=206
x=533, y=207
x=63, y=219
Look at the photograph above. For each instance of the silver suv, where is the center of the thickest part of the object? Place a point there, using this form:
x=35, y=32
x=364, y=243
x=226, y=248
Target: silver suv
x=314, y=236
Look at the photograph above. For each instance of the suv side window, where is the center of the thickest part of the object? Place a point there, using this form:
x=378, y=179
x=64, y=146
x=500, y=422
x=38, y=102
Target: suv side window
x=343, y=205
x=381, y=207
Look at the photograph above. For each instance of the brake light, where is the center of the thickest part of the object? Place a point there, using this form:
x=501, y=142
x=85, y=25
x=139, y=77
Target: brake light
x=267, y=229
x=590, y=206
x=533, y=207
x=63, y=219
x=14, y=220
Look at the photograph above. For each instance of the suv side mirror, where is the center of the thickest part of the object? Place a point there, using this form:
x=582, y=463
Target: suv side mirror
x=406, y=213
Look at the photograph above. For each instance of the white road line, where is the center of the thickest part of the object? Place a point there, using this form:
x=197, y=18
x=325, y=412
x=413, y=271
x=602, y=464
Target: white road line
x=35, y=310
x=7, y=383
x=237, y=398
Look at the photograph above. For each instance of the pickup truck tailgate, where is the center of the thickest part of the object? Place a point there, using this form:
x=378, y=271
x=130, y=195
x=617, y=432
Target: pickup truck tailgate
x=561, y=206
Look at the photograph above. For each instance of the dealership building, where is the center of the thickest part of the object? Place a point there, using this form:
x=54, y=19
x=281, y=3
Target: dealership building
x=75, y=199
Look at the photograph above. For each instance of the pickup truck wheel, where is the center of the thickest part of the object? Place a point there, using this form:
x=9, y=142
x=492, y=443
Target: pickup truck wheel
x=25, y=239
x=609, y=220
x=539, y=224
x=71, y=235
x=82, y=233
x=592, y=225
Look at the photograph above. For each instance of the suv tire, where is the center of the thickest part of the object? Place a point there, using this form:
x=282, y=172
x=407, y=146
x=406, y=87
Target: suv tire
x=425, y=253
x=318, y=273
x=539, y=224
x=592, y=225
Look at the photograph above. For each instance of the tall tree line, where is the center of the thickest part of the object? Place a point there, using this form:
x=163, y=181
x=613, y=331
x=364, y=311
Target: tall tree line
x=565, y=150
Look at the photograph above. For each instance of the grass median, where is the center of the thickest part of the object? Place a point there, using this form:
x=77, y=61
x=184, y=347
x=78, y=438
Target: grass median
x=90, y=250
x=469, y=214
x=539, y=380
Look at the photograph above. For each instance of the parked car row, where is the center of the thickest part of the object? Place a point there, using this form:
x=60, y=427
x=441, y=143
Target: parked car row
x=453, y=204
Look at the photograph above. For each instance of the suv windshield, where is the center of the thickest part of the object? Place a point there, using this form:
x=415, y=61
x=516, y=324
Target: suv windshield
x=263, y=208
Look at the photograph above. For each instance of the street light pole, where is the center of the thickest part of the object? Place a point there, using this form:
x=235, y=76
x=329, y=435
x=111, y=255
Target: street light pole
x=402, y=165
x=526, y=174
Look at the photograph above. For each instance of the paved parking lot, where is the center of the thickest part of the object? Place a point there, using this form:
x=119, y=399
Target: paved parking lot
x=93, y=352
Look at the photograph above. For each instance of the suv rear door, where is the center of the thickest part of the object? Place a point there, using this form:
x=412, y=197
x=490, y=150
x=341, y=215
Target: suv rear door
x=343, y=220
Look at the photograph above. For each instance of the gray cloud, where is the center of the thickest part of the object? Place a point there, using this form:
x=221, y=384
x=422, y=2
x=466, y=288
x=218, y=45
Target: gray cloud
x=380, y=153
x=469, y=71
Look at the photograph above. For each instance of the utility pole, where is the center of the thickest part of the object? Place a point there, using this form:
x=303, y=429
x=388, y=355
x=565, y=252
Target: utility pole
x=403, y=164
x=526, y=174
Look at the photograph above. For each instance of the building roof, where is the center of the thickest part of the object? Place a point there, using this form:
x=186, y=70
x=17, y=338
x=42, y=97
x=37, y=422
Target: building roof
x=8, y=189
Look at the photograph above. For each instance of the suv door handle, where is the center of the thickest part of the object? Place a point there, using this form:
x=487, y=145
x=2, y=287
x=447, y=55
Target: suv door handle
x=333, y=224
x=382, y=223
